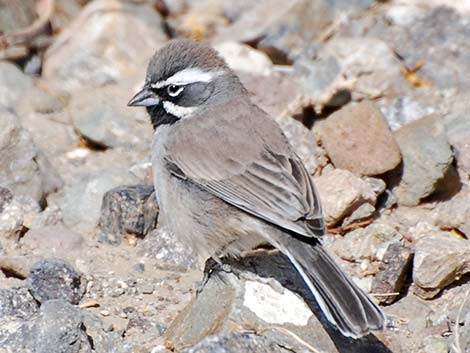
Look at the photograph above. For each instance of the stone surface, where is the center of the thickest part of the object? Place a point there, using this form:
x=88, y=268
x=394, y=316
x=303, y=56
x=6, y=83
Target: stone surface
x=54, y=279
x=103, y=117
x=23, y=168
x=59, y=329
x=98, y=48
x=368, y=64
x=404, y=110
x=167, y=250
x=53, y=240
x=81, y=203
x=357, y=139
x=393, y=272
x=237, y=343
x=284, y=30
x=254, y=301
x=455, y=213
x=17, y=216
x=103, y=339
x=17, y=302
x=427, y=157
x=341, y=192
x=440, y=259
x=6, y=196
x=241, y=57
x=369, y=243
x=15, y=335
x=128, y=210
x=11, y=220
x=440, y=30
x=458, y=133
x=13, y=85
x=363, y=212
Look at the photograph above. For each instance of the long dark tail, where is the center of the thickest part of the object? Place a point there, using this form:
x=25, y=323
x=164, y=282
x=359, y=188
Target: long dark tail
x=344, y=304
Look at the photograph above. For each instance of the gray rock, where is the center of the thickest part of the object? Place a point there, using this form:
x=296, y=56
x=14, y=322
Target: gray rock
x=440, y=30
x=53, y=240
x=464, y=332
x=413, y=311
x=12, y=219
x=14, y=84
x=455, y=213
x=393, y=273
x=404, y=110
x=128, y=210
x=363, y=212
x=341, y=193
x=54, y=279
x=320, y=81
x=23, y=168
x=58, y=329
x=17, y=216
x=458, y=133
x=100, y=46
x=103, y=341
x=16, y=335
x=237, y=343
x=167, y=251
x=18, y=303
x=6, y=196
x=357, y=138
x=435, y=344
x=14, y=18
x=365, y=67
x=284, y=30
x=81, y=203
x=103, y=117
x=440, y=259
x=427, y=157
x=369, y=243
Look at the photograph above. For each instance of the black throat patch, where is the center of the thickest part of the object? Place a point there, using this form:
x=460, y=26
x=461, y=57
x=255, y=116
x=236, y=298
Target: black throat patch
x=159, y=116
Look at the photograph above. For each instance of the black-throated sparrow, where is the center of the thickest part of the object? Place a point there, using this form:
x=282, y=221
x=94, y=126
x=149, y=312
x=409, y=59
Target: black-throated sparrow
x=227, y=179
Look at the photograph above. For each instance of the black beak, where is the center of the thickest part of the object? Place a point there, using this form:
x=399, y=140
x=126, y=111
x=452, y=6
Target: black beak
x=144, y=98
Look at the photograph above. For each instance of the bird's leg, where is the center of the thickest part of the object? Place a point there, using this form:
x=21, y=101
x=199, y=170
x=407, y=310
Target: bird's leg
x=212, y=265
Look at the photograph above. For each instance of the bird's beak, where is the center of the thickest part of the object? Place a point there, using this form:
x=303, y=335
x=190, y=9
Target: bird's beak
x=144, y=98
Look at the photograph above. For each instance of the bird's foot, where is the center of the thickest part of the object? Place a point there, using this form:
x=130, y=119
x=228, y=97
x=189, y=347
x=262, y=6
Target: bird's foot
x=212, y=266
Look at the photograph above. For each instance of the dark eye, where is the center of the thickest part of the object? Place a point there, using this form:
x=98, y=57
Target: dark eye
x=174, y=90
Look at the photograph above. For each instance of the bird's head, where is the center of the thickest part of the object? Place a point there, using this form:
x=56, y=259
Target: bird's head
x=184, y=77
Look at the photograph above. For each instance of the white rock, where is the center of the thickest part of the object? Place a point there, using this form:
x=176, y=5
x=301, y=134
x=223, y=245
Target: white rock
x=274, y=307
x=241, y=57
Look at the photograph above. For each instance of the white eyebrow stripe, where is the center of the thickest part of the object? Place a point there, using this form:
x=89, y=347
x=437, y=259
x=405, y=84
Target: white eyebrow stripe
x=187, y=76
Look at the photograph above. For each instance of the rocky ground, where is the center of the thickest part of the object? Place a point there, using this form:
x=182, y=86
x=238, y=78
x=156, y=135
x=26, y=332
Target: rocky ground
x=374, y=96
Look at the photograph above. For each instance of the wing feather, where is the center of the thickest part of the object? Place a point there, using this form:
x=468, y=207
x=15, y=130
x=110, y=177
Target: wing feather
x=275, y=188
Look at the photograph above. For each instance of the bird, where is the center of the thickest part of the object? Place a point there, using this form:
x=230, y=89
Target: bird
x=227, y=179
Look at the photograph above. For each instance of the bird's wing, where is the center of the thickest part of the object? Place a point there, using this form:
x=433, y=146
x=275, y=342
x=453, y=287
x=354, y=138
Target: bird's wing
x=274, y=187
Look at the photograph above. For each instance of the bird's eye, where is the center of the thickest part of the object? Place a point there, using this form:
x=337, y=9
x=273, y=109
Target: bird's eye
x=174, y=90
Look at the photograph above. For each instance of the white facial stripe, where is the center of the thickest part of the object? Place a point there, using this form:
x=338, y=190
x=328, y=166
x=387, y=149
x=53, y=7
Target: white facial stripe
x=188, y=76
x=178, y=111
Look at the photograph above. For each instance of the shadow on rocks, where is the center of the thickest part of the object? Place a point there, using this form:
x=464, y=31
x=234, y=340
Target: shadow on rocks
x=276, y=265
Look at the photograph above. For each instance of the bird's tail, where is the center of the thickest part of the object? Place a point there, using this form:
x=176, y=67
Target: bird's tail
x=344, y=304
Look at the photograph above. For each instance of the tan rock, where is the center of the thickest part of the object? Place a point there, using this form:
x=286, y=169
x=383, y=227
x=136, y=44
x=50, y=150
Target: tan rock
x=341, y=193
x=358, y=139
